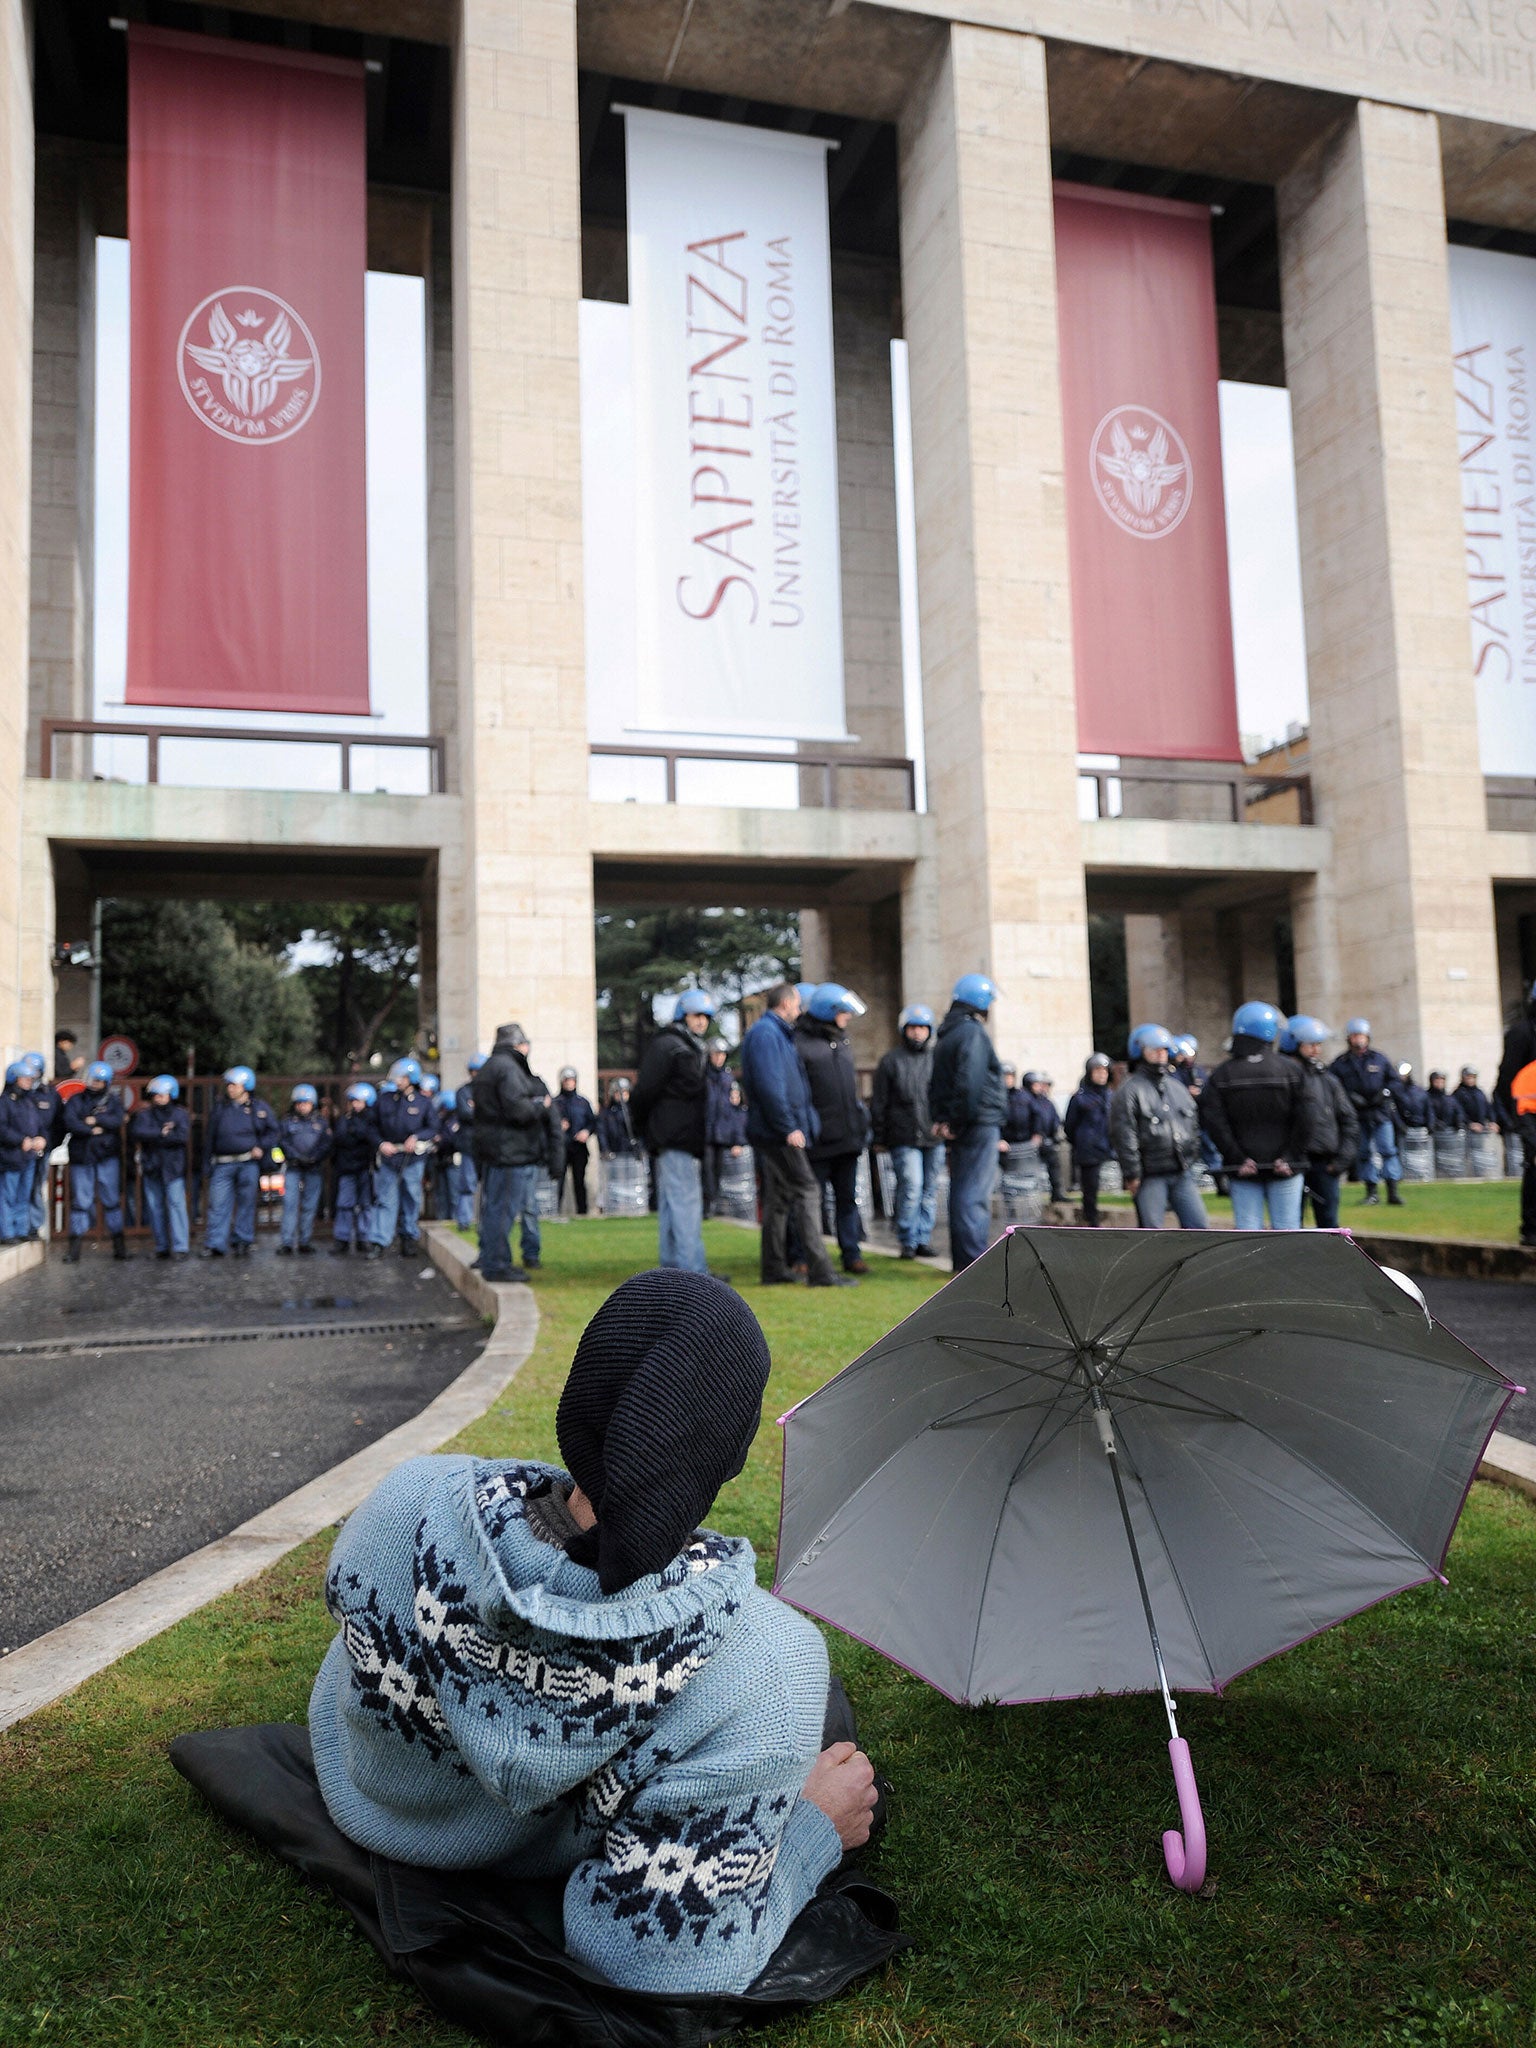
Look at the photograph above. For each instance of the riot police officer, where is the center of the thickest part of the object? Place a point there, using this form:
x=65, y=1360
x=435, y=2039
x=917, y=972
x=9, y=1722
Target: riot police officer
x=407, y=1124
x=305, y=1137
x=162, y=1130
x=241, y=1129
x=354, y=1147
x=94, y=1121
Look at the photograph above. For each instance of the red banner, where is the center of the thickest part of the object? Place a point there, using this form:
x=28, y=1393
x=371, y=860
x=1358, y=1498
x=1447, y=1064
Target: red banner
x=1151, y=613
x=248, y=550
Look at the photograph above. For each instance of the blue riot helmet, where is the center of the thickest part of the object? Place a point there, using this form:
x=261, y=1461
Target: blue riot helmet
x=407, y=1069
x=1185, y=1046
x=18, y=1070
x=1149, y=1034
x=430, y=1084
x=476, y=1061
x=305, y=1092
x=164, y=1084
x=389, y=1087
x=830, y=999
x=976, y=991
x=243, y=1077
x=364, y=1092
x=1358, y=1027
x=1257, y=1020
x=693, y=1003
x=805, y=990
x=99, y=1075
x=915, y=1013
x=1302, y=1030
x=35, y=1064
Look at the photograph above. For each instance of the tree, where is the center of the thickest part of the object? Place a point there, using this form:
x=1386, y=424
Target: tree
x=643, y=954
x=363, y=992
x=177, y=981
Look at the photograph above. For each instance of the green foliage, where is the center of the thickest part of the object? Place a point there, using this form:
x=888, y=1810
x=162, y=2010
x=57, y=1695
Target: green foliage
x=642, y=954
x=177, y=980
x=364, y=995
x=1368, y=1798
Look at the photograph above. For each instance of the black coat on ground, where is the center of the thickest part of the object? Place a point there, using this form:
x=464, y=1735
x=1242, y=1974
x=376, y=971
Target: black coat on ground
x=828, y=1057
x=512, y=1123
x=967, y=1085
x=900, y=1101
x=669, y=1101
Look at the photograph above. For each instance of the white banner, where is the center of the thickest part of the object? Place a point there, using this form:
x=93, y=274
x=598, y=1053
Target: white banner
x=1493, y=330
x=739, y=610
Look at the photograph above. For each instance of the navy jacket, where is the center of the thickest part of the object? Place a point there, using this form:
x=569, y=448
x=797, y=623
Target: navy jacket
x=1475, y=1106
x=775, y=1083
x=1368, y=1080
x=718, y=1083
x=164, y=1138
x=19, y=1119
x=615, y=1133
x=1412, y=1103
x=306, y=1140
x=355, y=1141
x=575, y=1110
x=238, y=1126
x=1444, y=1112
x=1045, y=1122
x=732, y=1125
x=1018, y=1125
x=967, y=1085
x=403, y=1116
x=88, y=1147
x=1087, y=1124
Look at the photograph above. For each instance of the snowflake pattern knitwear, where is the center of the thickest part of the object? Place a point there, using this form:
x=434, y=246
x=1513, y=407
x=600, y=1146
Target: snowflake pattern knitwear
x=486, y=1703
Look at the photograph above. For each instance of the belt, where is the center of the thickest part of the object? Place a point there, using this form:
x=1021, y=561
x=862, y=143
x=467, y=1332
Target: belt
x=233, y=1159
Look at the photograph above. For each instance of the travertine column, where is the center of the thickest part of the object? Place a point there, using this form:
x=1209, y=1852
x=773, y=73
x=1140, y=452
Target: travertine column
x=979, y=308
x=1402, y=927
x=15, y=483
x=522, y=708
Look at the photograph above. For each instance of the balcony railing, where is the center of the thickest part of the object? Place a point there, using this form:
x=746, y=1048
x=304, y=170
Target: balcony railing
x=828, y=766
x=1200, y=791
x=54, y=729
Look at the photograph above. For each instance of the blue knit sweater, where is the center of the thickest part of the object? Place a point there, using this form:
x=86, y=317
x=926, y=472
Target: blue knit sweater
x=485, y=1703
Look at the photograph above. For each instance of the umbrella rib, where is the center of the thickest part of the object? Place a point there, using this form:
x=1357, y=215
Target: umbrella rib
x=1045, y=1274
x=1168, y=1559
x=1152, y=1306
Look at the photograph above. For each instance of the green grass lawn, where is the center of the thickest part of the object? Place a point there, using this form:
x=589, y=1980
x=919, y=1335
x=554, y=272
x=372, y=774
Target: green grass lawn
x=1373, y=1853
x=1487, y=1209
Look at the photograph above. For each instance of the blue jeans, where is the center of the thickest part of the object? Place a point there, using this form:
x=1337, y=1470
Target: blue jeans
x=302, y=1189
x=1379, y=1137
x=1323, y=1187
x=508, y=1193
x=89, y=1185
x=972, y=1177
x=15, y=1200
x=233, y=1186
x=165, y=1204
x=353, y=1220
x=397, y=1197
x=1162, y=1191
x=1282, y=1198
x=38, y=1203
x=916, y=1168
x=462, y=1185
x=680, y=1212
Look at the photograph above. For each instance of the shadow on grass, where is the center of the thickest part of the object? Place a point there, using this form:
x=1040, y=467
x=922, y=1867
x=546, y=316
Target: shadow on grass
x=1372, y=1850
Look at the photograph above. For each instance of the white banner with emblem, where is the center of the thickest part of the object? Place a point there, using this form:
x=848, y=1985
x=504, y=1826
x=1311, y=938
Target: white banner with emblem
x=738, y=600
x=1493, y=339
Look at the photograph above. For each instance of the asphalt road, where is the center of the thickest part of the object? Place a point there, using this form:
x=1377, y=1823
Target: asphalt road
x=118, y=1458
x=1498, y=1319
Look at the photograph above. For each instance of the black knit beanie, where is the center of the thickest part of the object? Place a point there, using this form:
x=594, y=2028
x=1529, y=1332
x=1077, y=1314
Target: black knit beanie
x=659, y=1410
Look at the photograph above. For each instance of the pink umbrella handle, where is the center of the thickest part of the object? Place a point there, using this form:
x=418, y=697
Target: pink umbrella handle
x=1185, y=1854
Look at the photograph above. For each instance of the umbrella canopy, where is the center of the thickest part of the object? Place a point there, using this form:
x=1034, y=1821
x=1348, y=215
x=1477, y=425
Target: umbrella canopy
x=1090, y=1440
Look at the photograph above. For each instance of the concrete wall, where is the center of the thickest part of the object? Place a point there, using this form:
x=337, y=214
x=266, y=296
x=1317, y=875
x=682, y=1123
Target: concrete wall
x=16, y=178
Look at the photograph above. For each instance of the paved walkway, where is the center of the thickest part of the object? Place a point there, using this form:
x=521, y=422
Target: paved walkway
x=1498, y=1319
x=147, y=1409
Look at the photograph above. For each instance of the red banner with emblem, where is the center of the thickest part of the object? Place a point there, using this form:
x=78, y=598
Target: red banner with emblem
x=247, y=224
x=1146, y=522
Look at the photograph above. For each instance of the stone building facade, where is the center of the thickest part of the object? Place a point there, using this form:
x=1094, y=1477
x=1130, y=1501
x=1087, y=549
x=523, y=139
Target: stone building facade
x=1347, y=143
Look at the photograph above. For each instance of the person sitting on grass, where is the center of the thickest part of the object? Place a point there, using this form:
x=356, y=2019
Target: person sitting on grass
x=558, y=1673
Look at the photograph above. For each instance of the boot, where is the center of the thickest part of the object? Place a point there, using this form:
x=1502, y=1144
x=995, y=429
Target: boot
x=340, y=1251
x=72, y=1253
x=120, y=1251
x=1394, y=1199
x=1370, y=1198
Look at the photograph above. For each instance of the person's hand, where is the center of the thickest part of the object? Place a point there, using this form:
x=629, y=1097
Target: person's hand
x=797, y=1139
x=1002, y=1146
x=1282, y=1169
x=1131, y=1187
x=410, y=1145
x=387, y=1151
x=943, y=1131
x=842, y=1784
x=1247, y=1170
x=735, y=1151
x=254, y=1153
x=565, y=1123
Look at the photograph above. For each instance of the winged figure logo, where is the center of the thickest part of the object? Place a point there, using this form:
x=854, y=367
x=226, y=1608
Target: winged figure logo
x=1143, y=473
x=252, y=367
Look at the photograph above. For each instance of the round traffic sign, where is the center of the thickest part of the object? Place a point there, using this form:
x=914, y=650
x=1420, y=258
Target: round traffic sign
x=120, y=1054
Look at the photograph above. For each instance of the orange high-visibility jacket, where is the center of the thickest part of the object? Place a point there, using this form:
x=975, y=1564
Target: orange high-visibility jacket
x=1523, y=1089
